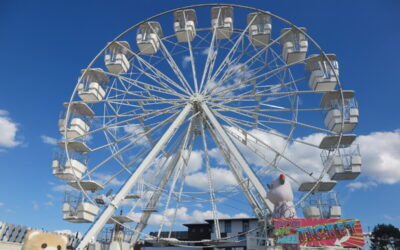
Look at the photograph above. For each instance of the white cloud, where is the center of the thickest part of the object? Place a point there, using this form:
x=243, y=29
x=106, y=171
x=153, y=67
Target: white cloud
x=136, y=131
x=380, y=156
x=35, y=205
x=102, y=178
x=49, y=204
x=361, y=185
x=184, y=216
x=1, y=204
x=222, y=179
x=62, y=188
x=8, y=131
x=185, y=61
x=195, y=162
x=379, y=150
x=49, y=140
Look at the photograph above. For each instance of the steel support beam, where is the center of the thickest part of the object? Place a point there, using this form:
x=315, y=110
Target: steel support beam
x=144, y=218
x=126, y=188
x=239, y=157
x=238, y=177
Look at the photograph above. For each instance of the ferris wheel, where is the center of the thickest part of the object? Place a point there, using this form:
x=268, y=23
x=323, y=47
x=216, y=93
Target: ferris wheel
x=193, y=111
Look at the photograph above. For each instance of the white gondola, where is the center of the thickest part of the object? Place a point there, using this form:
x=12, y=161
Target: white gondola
x=119, y=219
x=91, y=86
x=260, y=28
x=335, y=212
x=77, y=209
x=79, y=108
x=311, y=212
x=330, y=142
x=222, y=22
x=65, y=169
x=336, y=106
x=345, y=165
x=294, y=45
x=322, y=205
x=185, y=25
x=88, y=185
x=116, y=57
x=77, y=127
x=85, y=212
x=148, y=37
x=322, y=77
x=75, y=146
x=322, y=186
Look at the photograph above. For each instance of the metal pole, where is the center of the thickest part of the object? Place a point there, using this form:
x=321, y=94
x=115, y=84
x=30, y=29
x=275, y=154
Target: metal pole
x=126, y=188
x=242, y=162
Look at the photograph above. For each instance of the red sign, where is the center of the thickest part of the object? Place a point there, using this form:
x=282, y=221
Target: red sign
x=318, y=232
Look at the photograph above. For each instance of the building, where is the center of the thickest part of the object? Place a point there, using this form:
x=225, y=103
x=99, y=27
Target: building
x=234, y=232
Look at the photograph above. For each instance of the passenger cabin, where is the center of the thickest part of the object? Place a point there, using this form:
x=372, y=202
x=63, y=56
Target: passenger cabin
x=86, y=185
x=92, y=85
x=116, y=57
x=79, y=109
x=148, y=38
x=78, y=127
x=324, y=76
x=294, y=45
x=222, y=22
x=75, y=146
x=77, y=209
x=322, y=206
x=119, y=219
x=345, y=164
x=185, y=25
x=260, y=28
x=342, y=114
x=322, y=186
x=68, y=169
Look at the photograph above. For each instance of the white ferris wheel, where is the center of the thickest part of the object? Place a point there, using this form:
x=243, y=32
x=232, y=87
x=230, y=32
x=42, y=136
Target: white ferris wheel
x=198, y=108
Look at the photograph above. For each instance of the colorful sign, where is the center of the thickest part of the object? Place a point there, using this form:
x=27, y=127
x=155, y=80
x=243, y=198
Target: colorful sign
x=318, y=232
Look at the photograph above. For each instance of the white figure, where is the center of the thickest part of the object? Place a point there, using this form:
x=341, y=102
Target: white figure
x=281, y=195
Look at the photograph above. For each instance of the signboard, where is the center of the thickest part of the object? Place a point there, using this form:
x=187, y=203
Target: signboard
x=318, y=232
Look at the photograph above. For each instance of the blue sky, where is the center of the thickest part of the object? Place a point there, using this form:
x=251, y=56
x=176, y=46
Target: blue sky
x=44, y=47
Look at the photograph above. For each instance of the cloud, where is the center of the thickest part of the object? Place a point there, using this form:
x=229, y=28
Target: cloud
x=49, y=204
x=1, y=204
x=102, y=178
x=136, y=131
x=195, y=162
x=49, y=140
x=185, y=61
x=379, y=150
x=62, y=188
x=184, y=216
x=380, y=156
x=8, y=131
x=222, y=179
x=35, y=205
x=361, y=185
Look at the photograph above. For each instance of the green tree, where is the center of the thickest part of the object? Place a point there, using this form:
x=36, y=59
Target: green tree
x=385, y=237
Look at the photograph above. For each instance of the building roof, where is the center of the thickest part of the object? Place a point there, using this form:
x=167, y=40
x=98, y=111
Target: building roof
x=211, y=220
x=196, y=224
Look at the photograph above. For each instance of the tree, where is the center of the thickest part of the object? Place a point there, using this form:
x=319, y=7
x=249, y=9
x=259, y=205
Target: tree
x=385, y=237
